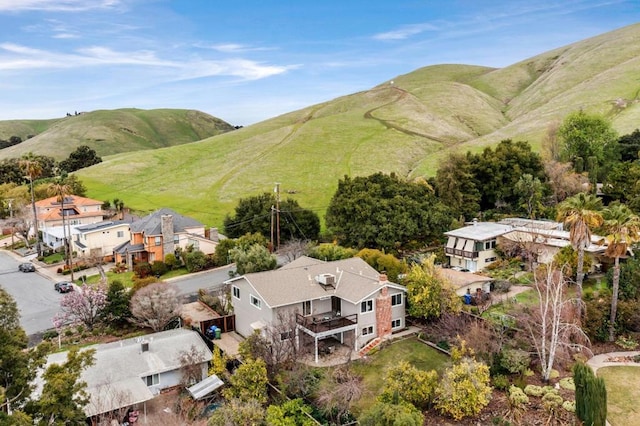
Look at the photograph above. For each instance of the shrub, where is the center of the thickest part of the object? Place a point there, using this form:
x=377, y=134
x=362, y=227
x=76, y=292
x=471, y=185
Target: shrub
x=515, y=361
x=142, y=270
x=627, y=343
x=464, y=389
x=196, y=261
x=591, y=396
x=533, y=390
x=500, y=381
x=569, y=406
x=49, y=334
x=552, y=402
x=517, y=398
x=159, y=268
x=567, y=383
x=139, y=283
x=171, y=261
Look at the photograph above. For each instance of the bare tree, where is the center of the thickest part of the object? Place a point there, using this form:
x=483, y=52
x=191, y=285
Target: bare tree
x=553, y=326
x=276, y=344
x=294, y=249
x=84, y=305
x=191, y=365
x=339, y=393
x=155, y=305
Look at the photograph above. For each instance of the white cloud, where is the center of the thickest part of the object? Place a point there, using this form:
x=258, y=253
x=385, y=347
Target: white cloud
x=18, y=57
x=56, y=5
x=405, y=32
x=235, y=48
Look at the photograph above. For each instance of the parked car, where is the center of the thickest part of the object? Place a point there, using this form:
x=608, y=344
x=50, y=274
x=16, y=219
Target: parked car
x=26, y=267
x=63, y=287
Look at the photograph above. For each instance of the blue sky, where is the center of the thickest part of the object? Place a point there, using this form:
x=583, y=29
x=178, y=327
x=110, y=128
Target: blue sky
x=246, y=61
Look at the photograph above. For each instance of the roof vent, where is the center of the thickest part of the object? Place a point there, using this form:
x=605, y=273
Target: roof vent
x=145, y=346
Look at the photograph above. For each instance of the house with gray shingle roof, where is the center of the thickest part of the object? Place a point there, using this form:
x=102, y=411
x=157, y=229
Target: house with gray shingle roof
x=160, y=233
x=346, y=300
x=128, y=373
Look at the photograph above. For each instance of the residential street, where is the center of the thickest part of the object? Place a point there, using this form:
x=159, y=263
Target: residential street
x=33, y=292
x=209, y=280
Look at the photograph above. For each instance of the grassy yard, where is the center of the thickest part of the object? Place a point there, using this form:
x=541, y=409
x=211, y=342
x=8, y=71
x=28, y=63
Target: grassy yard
x=372, y=369
x=126, y=278
x=623, y=394
x=54, y=258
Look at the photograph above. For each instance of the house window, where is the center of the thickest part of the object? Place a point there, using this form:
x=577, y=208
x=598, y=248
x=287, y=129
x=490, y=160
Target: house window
x=306, y=308
x=367, y=330
x=488, y=245
x=120, y=234
x=490, y=259
x=255, y=301
x=176, y=239
x=286, y=335
x=236, y=292
x=158, y=241
x=152, y=380
x=396, y=323
x=366, y=306
x=396, y=299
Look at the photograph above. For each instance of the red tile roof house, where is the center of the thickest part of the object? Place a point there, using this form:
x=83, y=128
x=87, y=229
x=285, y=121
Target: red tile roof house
x=77, y=211
x=160, y=233
x=346, y=300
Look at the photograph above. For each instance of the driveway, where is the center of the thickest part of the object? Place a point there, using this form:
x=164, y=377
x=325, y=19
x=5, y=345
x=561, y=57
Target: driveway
x=37, y=301
x=210, y=280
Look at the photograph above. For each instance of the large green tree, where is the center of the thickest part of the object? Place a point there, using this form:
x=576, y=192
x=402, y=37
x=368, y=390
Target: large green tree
x=629, y=146
x=429, y=293
x=587, y=136
x=496, y=173
x=64, y=394
x=622, y=184
x=386, y=212
x=623, y=230
x=18, y=365
x=455, y=186
x=259, y=213
x=581, y=214
x=83, y=156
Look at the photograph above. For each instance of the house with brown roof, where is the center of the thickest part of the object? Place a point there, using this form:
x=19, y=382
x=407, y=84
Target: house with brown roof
x=154, y=236
x=345, y=300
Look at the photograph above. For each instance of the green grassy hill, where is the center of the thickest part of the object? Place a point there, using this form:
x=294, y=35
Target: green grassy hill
x=111, y=131
x=405, y=126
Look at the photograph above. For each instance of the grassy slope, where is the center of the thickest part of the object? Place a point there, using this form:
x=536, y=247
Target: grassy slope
x=406, y=126
x=116, y=131
x=24, y=128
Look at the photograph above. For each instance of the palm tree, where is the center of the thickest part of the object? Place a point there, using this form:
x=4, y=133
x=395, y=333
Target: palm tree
x=623, y=229
x=580, y=214
x=60, y=190
x=33, y=169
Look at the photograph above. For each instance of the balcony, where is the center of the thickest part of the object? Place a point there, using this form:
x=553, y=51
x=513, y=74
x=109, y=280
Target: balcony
x=328, y=321
x=461, y=253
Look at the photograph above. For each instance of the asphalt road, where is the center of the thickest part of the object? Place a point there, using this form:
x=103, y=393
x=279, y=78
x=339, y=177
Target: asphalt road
x=37, y=300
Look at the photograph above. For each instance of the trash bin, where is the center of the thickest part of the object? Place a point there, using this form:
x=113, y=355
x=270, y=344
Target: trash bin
x=218, y=333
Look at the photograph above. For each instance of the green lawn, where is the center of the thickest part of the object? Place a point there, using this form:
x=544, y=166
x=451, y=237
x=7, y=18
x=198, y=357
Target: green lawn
x=373, y=368
x=126, y=278
x=54, y=258
x=623, y=394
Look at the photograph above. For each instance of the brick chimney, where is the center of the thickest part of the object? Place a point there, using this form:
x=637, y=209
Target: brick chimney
x=166, y=227
x=213, y=234
x=383, y=277
x=383, y=313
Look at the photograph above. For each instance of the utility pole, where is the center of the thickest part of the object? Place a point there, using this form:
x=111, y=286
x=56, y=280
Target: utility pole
x=277, y=216
x=13, y=225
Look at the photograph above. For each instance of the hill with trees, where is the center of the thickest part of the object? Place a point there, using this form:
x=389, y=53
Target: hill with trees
x=406, y=125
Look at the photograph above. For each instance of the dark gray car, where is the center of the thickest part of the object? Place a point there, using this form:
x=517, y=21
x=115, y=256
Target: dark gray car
x=26, y=267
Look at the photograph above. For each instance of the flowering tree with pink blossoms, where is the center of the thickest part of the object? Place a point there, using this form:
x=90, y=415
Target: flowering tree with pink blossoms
x=85, y=306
